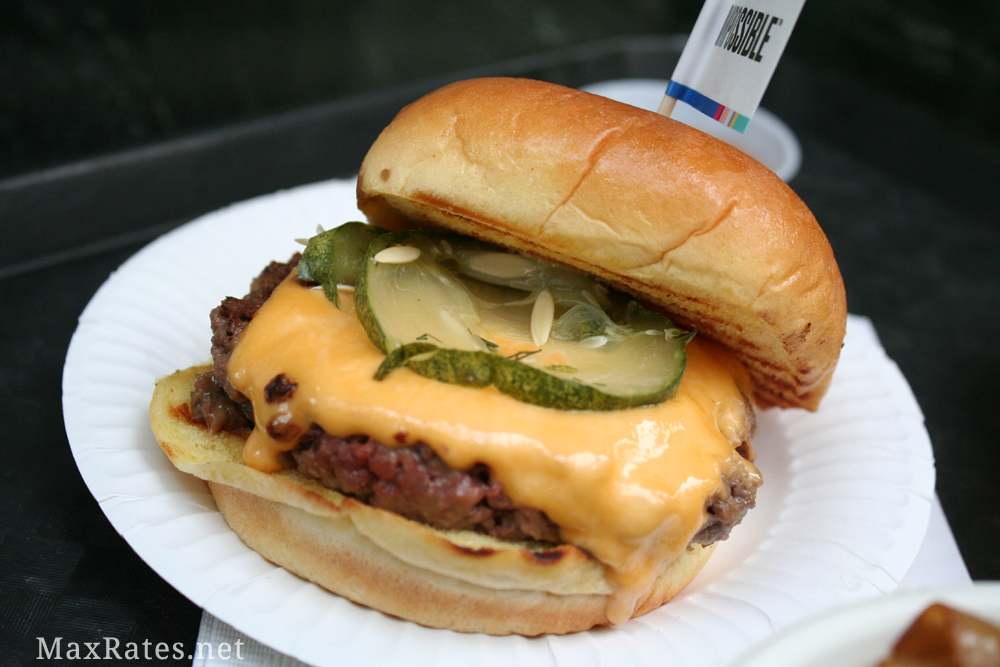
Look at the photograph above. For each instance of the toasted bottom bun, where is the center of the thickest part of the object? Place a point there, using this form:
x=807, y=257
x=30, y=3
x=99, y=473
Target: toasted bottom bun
x=458, y=580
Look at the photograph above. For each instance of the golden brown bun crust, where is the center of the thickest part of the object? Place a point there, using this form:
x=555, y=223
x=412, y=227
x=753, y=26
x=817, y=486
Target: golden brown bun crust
x=456, y=580
x=336, y=556
x=643, y=202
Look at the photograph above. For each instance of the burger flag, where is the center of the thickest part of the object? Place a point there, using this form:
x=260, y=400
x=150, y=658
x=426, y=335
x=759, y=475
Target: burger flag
x=729, y=59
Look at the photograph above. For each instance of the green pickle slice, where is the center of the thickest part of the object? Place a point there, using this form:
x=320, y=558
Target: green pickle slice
x=465, y=312
x=334, y=257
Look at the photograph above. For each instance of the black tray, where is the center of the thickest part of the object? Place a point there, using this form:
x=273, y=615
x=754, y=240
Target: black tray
x=906, y=204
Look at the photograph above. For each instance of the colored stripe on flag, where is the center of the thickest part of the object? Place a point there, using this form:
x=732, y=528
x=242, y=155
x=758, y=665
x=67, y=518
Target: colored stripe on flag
x=708, y=106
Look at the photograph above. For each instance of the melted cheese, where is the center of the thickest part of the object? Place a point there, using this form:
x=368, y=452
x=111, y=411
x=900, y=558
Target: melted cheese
x=629, y=487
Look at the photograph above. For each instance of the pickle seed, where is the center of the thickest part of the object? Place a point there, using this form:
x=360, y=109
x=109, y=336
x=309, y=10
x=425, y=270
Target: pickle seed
x=542, y=316
x=400, y=254
x=593, y=342
x=501, y=264
x=443, y=334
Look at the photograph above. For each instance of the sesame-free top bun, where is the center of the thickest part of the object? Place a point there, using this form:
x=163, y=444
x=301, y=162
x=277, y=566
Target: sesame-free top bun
x=647, y=204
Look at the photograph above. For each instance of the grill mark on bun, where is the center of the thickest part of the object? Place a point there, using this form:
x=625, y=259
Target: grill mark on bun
x=551, y=556
x=183, y=413
x=543, y=557
x=469, y=551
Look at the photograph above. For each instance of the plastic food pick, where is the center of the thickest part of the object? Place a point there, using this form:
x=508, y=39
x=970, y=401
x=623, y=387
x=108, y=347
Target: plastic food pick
x=730, y=57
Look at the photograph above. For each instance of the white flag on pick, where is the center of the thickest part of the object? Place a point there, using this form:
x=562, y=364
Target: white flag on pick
x=730, y=57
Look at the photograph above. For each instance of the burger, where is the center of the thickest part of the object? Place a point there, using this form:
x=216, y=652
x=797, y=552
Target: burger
x=520, y=397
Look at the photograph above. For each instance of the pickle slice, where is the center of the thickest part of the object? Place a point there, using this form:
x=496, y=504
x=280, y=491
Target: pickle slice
x=415, y=301
x=334, y=257
x=461, y=312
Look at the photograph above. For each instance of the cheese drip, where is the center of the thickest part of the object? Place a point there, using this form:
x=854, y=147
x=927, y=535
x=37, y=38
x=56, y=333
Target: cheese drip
x=630, y=487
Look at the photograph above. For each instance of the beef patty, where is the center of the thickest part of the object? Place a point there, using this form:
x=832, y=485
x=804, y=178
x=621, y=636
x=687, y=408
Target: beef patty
x=409, y=480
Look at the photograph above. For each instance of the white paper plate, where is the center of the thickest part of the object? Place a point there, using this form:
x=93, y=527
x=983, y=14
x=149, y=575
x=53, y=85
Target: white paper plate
x=864, y=634
x=767, y=139
x=840, y=518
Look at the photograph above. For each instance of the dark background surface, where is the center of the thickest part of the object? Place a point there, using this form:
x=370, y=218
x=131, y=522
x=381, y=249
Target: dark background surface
x=119, y=120
x=83, y=77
